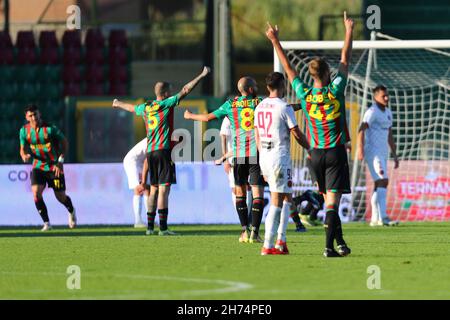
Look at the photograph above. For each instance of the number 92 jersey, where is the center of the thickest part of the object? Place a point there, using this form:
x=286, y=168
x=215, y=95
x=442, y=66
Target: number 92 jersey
x=324, y=110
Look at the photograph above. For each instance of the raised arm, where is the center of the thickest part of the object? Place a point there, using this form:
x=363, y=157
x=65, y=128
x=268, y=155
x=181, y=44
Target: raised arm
x=188, y=87
x=272, y=35
x=199, y=117
x=123, y=105
x=393, y=148
x=346, y=52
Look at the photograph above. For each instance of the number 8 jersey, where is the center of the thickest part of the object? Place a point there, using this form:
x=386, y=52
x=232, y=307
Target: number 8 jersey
x=324, y=110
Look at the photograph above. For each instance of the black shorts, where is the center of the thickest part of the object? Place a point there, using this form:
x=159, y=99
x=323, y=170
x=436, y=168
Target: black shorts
x=161, y=168
x=329, y=169
x=39, y=177
x=247, y=171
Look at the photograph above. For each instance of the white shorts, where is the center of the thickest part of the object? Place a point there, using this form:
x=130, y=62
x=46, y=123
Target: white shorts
x=134, y=173
x=377, y=167
x=278, y=173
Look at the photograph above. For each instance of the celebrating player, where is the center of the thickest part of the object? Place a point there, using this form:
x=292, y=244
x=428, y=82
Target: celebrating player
x=133, y=164
x=374, y=139
x=246, y=170
x=274, y=121
x=324, y=107
x=47, y=146
x=158, y=118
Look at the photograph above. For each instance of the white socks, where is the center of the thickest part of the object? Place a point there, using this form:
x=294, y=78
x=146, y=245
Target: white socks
x=271, y=224
x=381, y=199
x=233, y=196
x=375, y=208
x=145, y=203
x=284, y=220
x=249, y=201
x=137, y=207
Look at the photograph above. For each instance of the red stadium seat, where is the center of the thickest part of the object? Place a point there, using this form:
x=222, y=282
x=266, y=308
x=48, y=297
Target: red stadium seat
x=26, y=55
x=95, y=73
x=118, y=55
x=117, y=38
x=71, y=39
x=25, y=39
x=72, y=89
x=95, y=89
x=47, y=39
x=5, y=40
x=6, y=56
x=72, y=56
x=49, y=55
x=118, y=73
x=119, y=89
x=95, y=56
x=94, y=39
x=71, y=73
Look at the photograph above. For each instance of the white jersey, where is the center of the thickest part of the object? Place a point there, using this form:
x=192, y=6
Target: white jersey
x=225, y=130
x=274, y=119
x=376, y=136
x=134, y=163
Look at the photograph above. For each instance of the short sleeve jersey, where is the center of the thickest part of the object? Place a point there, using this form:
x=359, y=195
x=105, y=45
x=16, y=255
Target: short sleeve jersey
x=274, y=119
x=324, y=109
x=241, y=111
x=44, y=142
x=376, y=136
x=158, y=119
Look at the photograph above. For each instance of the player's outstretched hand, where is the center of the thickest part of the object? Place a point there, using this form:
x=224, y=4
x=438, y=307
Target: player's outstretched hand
x=205, y=71
x=272, y=32
x=348, y=22
x=115, y=103
x=58, y=169
x=26, y=157
x=187, y=115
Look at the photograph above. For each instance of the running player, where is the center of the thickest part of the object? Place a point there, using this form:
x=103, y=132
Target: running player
x=323, y=105
x=133, y=164
x=374, y=139
x=246, y=170
x=274, y=121
x=46, y=146
x=158, y=118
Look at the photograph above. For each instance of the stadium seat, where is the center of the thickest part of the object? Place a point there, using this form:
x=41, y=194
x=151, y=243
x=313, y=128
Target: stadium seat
x=118, y=55
x=27, y=92
x=6, y=49
x=71, y=39
x=94, y=39
x=72, y=56
x=95, y=56
x=72, y=73
x=117, y=38
x=51, y=72
x=8, y=91
x=72, y=89
x=26, y=55
x=95, y=73
x=118, y=73
x=50, y=90
x=25, y=39
x=95, y=89
x=119, y=89
x=27, y=73
x=49, y=56
x=7, y=73
x=47, y=40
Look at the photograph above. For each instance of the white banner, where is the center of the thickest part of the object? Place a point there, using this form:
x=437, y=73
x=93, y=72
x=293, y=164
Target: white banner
x=100, y=194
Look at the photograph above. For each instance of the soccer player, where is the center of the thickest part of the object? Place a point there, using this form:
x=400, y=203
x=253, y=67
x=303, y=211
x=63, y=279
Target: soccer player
x=226, y=159
x=374, y=139
x=47, y=146
x=158, y=118
x=274, y=122
x=133, y=164
x=323, y=105
x=246, y=170
x=314, y=203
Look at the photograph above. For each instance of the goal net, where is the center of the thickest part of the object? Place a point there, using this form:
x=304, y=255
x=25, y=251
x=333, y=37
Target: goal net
x=417, y=75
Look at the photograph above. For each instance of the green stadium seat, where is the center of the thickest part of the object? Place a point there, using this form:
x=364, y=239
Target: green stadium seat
x=8, y=91
x=27, y=72
x=50, y=90
x=50, y=73
x=28, y=92
x=7, y=73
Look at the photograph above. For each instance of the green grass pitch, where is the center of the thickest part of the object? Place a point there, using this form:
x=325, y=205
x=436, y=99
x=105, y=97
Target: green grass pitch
x=207, y=262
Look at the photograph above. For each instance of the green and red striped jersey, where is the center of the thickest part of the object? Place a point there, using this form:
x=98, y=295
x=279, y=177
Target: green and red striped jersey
x=158, y=118
x=240, y=111
x=324, y=109
x=44, y=143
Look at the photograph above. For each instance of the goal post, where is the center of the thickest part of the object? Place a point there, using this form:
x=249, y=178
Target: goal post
x=417, y=76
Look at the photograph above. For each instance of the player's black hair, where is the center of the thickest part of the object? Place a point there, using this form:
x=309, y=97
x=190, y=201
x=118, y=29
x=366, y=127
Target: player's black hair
x=30, y=108
x=275, y=80
x=378, y=88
